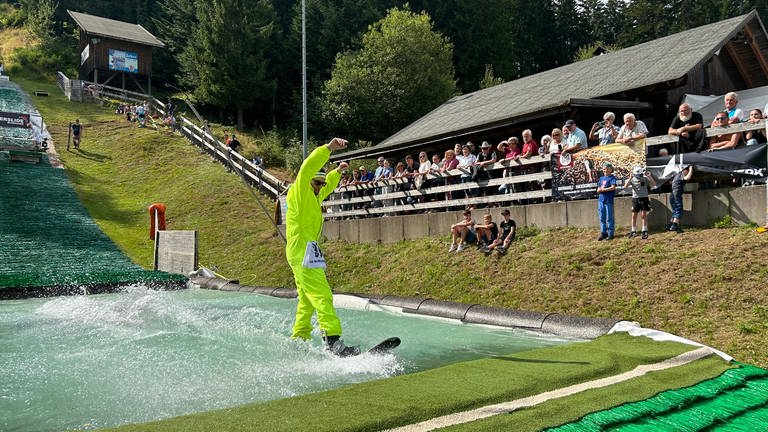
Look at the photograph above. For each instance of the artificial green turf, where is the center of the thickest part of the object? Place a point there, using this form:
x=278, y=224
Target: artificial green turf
x=416, y=397
x=568, y=409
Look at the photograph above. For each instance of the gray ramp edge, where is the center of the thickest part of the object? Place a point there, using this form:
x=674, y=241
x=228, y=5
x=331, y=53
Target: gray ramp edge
x=553, y=323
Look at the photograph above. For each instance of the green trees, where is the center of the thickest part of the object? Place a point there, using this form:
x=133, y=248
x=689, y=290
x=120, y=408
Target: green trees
x=402, y=71
x=225, y=60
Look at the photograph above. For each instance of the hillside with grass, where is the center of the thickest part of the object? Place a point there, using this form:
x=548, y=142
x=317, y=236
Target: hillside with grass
x=706, y=284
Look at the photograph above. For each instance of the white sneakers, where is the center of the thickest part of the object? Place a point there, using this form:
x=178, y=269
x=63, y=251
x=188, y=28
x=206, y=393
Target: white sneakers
x=460, y=248
x=452, y=248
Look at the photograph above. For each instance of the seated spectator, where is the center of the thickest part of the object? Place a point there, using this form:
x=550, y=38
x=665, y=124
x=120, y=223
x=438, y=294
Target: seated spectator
x=507, y=235
x=723, y=141
x=462, y=232
x=663, y=152
x=556, y=146
x=575, y=139
x=605, y=132
x=735, y=114
x=632, y=134
x=689, y=127
x=486, y=233
x=755, y=136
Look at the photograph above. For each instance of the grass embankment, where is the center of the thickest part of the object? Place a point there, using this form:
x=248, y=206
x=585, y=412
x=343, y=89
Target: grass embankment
x=706, y=284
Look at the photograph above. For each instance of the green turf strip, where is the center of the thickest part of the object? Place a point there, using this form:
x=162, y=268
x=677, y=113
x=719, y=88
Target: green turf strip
x=717, y=401
x=571, y=408
x=416, y=397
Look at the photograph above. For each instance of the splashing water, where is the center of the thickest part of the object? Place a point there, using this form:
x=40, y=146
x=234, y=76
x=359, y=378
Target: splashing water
x=88, y=362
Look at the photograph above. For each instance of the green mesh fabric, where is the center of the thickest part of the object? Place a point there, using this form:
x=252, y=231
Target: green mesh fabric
x=13, y=100
x=737, y=400
x=48, y=239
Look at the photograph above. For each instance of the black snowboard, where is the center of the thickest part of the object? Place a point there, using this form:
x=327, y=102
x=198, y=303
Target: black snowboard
x=385, y=346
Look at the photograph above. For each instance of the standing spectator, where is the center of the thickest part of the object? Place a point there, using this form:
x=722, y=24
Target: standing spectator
x=457, y=149
x=676, y=197
x=402, y=181
x=511, y=152
x=365, y=175
x=530, y=146
x=234, y=144
x=723, y=141
x=486, y=233
x=556, y=146
x=641, y=203
x=411, y=167
x=508, y=228
x=379, y=171
x=755, y=136
x=466, y=164
x=735, y=114
x=141, y=113
x=632, y=134
x=77, y=133
x=606, y=131
x=449, y=163
x=227, y=139
x=606, y=188
x=385, y=173
x=576, y=139
x=545, y=148
x=420, y=180
x=485, y=159
x=689, y=127
x=462, y=232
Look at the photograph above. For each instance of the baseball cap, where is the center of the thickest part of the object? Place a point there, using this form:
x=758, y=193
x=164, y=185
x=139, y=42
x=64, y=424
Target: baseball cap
x=638, y=170
x=570, y=123
x=608, y=165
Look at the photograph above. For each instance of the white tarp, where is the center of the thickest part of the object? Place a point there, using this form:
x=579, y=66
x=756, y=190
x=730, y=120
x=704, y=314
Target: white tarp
x=708, y=106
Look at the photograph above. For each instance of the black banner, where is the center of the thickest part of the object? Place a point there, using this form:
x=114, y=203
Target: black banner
x=745, y=162
x=14, y=120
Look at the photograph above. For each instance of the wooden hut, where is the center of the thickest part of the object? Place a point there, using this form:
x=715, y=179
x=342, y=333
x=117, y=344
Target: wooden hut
x=110, y=49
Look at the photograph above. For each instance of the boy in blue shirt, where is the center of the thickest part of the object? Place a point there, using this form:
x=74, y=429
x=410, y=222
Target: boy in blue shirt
x=606, y=189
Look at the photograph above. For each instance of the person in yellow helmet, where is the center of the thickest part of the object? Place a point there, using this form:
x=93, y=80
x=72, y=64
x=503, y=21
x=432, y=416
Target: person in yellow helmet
x=303, y=227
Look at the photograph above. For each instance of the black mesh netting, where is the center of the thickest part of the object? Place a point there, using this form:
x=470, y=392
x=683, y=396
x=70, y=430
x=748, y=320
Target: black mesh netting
x=48, y=239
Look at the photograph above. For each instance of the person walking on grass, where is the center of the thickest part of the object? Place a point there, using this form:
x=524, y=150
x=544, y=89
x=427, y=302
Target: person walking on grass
x=641, y=203
x=606, y=189
x=303, y=227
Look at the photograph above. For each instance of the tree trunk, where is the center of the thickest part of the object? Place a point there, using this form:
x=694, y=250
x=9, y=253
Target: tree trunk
x=240, y=125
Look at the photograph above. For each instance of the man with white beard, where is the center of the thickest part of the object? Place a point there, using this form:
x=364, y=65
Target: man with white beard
x=689, y=127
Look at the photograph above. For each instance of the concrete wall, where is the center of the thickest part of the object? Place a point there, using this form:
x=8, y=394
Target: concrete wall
x=176, y=251
x=701, y=208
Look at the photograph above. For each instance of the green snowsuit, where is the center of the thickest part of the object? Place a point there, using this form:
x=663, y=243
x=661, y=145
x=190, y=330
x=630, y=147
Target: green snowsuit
x=304, y=223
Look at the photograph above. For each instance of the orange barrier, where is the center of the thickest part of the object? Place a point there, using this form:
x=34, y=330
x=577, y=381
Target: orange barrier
x=159, y=209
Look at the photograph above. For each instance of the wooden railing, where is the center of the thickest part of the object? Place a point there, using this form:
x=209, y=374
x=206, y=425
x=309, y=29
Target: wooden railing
x=528, y=181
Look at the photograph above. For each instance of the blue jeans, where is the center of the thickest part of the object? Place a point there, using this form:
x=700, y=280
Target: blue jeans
x=676, y=203
x=605, y=214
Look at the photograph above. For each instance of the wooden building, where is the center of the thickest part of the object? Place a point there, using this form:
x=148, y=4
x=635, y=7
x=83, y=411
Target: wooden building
x=112, y=49
x=649, y=80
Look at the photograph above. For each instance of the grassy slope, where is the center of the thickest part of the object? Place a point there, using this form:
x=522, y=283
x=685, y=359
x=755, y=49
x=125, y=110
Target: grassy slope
x=707, y=284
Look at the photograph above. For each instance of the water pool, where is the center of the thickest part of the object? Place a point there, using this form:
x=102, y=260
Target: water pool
x=88, y=362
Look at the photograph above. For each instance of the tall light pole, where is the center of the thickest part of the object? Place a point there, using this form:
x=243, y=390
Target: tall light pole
x=304, y=77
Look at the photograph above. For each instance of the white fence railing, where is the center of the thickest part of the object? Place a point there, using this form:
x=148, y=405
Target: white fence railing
x=256, y=175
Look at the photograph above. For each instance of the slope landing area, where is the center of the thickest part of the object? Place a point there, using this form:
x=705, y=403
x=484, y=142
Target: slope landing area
x=401, y=402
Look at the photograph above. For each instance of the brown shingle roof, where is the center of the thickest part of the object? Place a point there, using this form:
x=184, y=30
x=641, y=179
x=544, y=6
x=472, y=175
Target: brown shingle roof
x=106, y=27
x=653, y=62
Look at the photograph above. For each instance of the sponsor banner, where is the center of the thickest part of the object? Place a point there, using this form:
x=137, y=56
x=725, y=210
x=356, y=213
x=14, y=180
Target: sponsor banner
x=745, y=162
x=574, y=176
x=14, y=120
x=126, y=61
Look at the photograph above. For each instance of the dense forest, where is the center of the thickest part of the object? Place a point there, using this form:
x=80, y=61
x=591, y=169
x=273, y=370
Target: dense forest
x=373, y=66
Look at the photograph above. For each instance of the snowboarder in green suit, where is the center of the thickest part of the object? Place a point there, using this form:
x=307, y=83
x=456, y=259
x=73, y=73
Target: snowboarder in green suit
x=303, y=226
